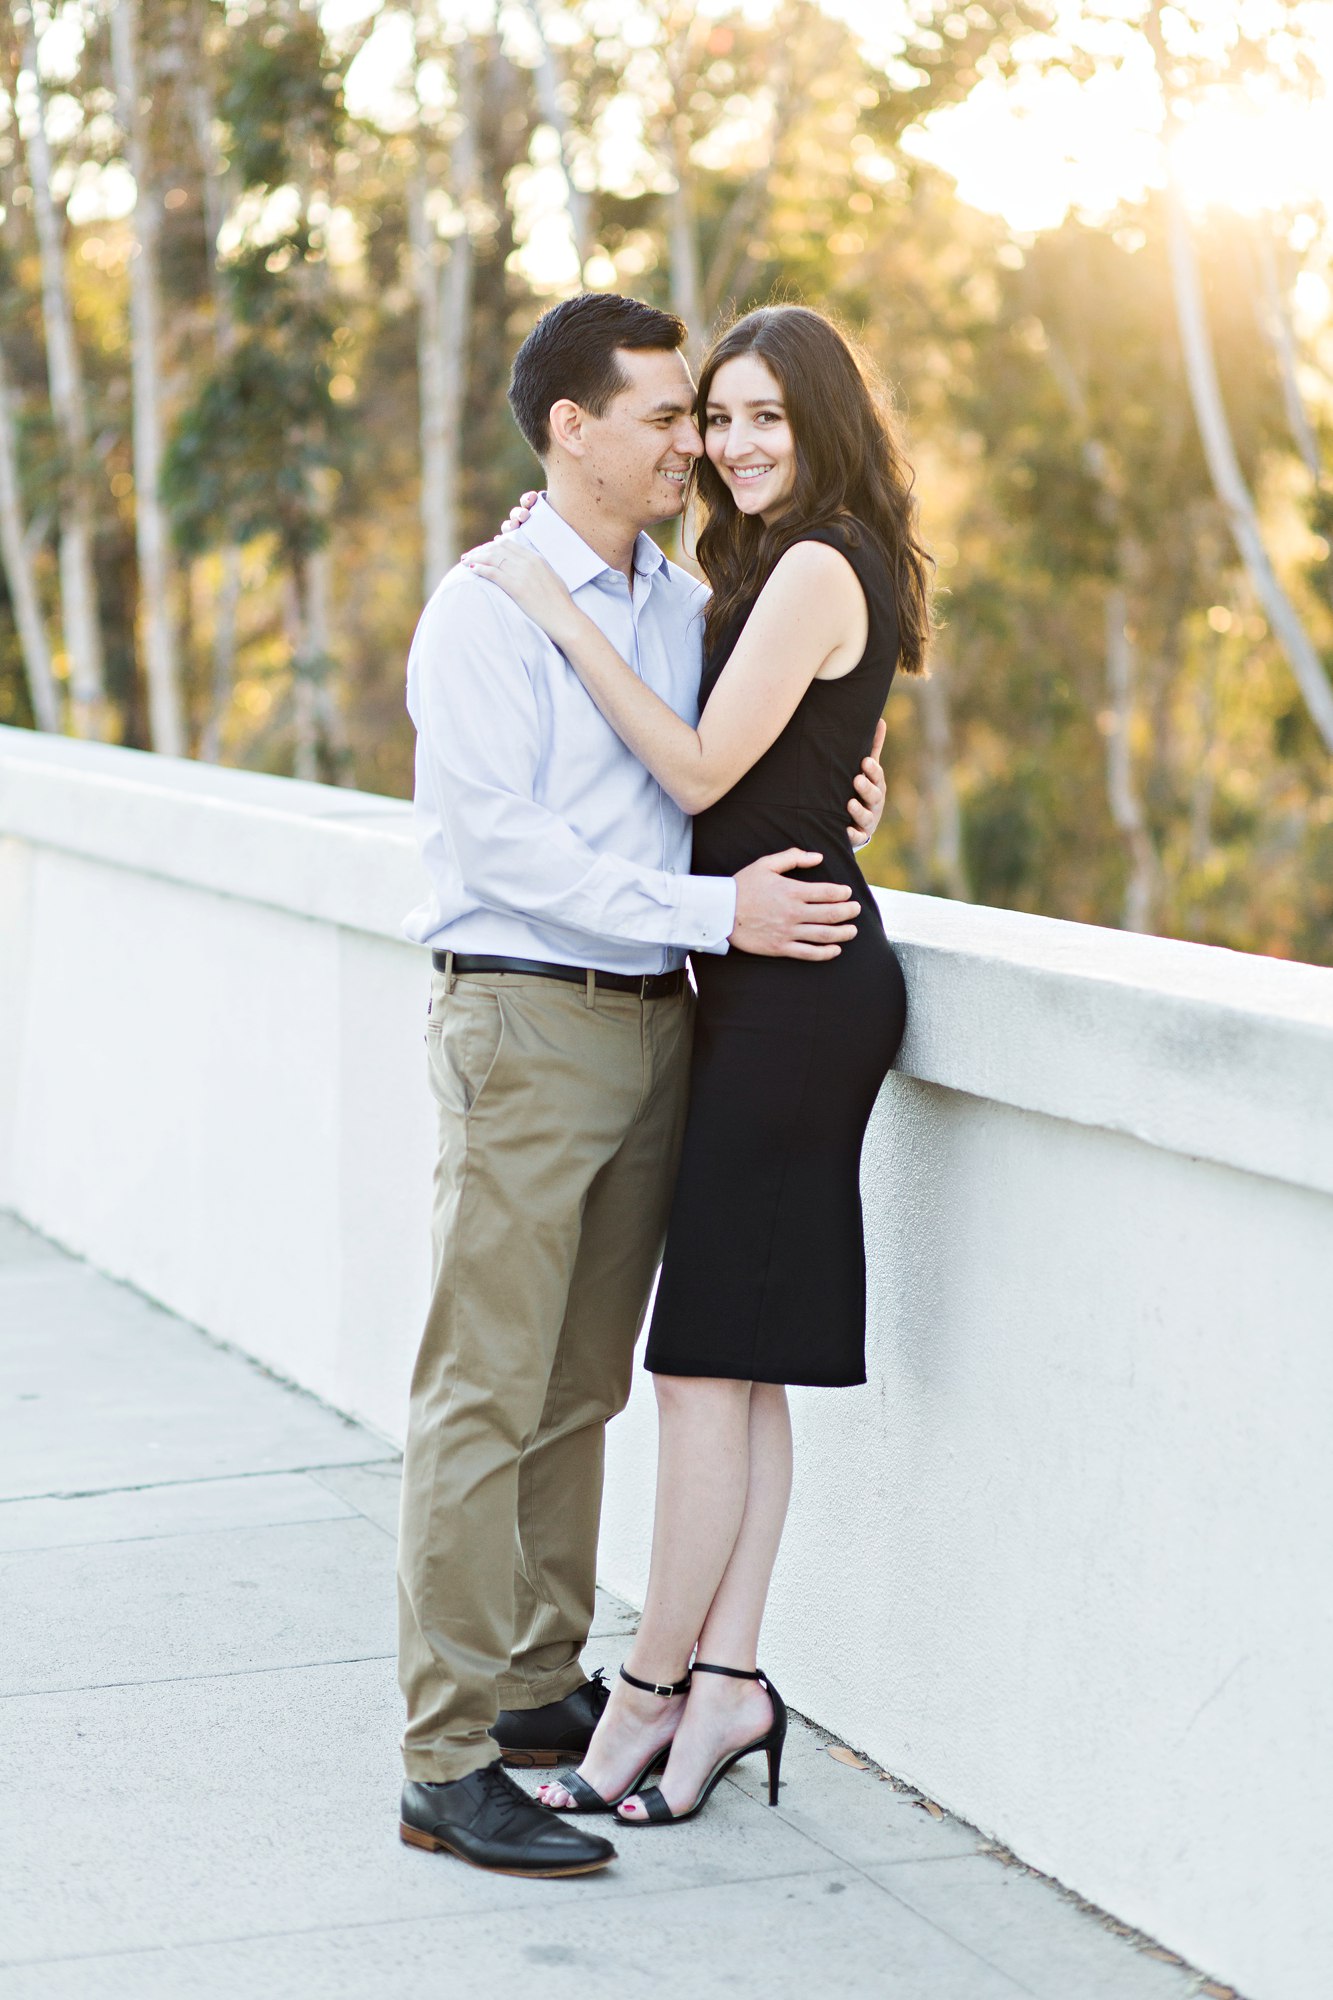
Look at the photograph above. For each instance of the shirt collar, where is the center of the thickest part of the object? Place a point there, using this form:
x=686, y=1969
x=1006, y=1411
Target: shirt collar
x=569, y=555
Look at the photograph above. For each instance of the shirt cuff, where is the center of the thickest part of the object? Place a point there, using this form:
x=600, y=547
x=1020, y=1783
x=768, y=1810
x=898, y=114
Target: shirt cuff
x=708, y=911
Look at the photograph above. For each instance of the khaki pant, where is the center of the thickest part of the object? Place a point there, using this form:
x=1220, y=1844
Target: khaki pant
x=560, y=1125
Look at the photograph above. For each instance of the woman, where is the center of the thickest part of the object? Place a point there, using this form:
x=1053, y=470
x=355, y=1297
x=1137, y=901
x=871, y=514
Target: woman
x=820, y=590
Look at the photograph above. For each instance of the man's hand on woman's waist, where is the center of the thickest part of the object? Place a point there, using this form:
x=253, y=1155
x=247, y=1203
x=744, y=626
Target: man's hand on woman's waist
x=779, y=918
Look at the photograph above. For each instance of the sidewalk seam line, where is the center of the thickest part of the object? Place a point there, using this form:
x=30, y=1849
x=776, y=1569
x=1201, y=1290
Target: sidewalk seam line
x=209, y=1479
x=180, y=1680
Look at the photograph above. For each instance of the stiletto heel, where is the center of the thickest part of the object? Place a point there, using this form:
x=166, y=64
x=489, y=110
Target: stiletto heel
x=658, y=1812
x=586, y=1798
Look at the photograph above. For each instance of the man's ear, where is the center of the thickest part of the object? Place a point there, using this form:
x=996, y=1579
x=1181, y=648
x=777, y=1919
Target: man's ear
x=566, y=420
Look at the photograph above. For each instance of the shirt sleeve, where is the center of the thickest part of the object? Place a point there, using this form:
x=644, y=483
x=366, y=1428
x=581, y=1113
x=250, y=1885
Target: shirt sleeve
x=475, y=712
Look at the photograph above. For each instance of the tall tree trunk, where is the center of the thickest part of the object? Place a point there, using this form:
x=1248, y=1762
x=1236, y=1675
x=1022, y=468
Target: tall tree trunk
x=337, y=752
x=1126, y=805
x=296, y=596
x=1228, y=479
x=78, y=584
x=226, y=603
x=1219, y=446
x=731, y=267
x=1203, y=781
x=549, y=79
x=1127, y=814
x=150, y=522
x=1282, y=340
x=320, y=750
x=20, y=574
x=686, y=284
x=1277, y=325
x=946, y=869
x=444, y=282
x=321, y=742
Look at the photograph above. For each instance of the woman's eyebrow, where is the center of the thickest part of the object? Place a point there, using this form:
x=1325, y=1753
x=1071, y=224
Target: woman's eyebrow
x=762, y=403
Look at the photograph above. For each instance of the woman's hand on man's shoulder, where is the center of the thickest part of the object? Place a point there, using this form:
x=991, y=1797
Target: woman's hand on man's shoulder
x=520, y=513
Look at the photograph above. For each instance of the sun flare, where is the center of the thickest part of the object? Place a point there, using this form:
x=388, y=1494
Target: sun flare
x=1044, y=144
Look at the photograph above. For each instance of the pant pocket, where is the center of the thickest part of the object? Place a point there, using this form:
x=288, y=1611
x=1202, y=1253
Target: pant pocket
x=464, y=1042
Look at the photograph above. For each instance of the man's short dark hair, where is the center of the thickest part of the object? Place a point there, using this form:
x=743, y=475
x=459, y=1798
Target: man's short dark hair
x=571, y=353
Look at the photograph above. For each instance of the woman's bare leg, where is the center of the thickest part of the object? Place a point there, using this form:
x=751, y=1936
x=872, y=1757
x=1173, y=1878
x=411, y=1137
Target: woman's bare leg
x=722, y=1714
x=730, y=1633
x=703, y=1481
x=703, y=1477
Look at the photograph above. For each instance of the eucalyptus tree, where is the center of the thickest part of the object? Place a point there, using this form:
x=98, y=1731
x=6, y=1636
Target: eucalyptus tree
x=441, y=220
x=80, y=613
x=1181, y=69
x=1276, y=317
x=553, y=97
x=1102, y=562
x=17, y=553
x=206, y=30
x=27, y=483
x=256, y=451
x=1126, y=569
x=152, y=533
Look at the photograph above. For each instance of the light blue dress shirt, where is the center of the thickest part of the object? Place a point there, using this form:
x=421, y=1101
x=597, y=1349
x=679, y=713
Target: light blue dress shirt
x=542, y=835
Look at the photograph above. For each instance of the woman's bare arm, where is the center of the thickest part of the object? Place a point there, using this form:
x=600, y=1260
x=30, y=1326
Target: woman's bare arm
x=810, y=611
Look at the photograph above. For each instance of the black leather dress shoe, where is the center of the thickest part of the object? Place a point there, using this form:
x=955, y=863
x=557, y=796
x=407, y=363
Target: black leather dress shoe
x=489, y=1821
x=557, y=1733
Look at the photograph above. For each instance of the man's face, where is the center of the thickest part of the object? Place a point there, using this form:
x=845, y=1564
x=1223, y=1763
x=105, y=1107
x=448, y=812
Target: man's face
x=638, y=455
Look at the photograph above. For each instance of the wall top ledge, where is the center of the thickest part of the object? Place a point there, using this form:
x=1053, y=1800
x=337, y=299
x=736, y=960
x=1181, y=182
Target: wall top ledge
x=319, y=851
x=1207, y=973
x=1222, y=1055
x=1214, y=1053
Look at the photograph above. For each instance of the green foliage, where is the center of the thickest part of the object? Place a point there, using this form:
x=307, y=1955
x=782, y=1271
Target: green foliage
x=282, y=97
x=251, y=449
x=244, y=456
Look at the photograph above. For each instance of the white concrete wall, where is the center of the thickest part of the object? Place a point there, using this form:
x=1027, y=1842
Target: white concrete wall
x=1065, y=1562
x=211, y=1053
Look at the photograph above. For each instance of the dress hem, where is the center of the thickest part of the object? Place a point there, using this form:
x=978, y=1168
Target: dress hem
x=778, y=1381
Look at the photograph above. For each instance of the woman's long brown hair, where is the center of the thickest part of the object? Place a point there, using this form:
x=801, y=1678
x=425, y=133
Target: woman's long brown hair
x=849, y=466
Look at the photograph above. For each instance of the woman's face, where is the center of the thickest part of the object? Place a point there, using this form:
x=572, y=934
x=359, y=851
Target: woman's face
x=748, y=438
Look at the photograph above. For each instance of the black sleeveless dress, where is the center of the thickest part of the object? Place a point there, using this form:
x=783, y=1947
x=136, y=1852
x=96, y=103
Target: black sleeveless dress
x=764, y=1274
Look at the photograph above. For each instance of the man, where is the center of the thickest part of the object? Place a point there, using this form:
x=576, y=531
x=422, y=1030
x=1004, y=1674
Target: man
x=561, y=909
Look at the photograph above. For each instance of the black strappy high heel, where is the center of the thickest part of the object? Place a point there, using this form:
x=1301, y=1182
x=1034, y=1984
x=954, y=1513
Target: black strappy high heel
x=586, y=1798
x=655, y=1806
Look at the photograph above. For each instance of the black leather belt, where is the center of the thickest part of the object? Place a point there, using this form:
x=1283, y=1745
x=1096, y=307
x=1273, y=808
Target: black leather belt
x=649, y=986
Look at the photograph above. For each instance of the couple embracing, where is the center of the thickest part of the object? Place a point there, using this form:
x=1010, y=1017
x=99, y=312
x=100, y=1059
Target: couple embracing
x=616, y=768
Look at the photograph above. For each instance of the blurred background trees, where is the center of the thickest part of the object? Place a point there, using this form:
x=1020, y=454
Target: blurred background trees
x=263, y=269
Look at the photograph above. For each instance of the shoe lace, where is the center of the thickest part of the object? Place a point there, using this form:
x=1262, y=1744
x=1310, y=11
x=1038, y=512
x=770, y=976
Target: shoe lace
x=512, y=1800
x=599, y=1694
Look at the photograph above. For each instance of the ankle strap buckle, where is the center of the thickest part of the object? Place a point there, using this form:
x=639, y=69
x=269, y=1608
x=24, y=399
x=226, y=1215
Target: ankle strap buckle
x=657, y=1687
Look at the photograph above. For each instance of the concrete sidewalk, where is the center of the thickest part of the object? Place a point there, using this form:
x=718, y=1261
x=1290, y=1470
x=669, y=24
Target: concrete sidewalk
x=198, y=1765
